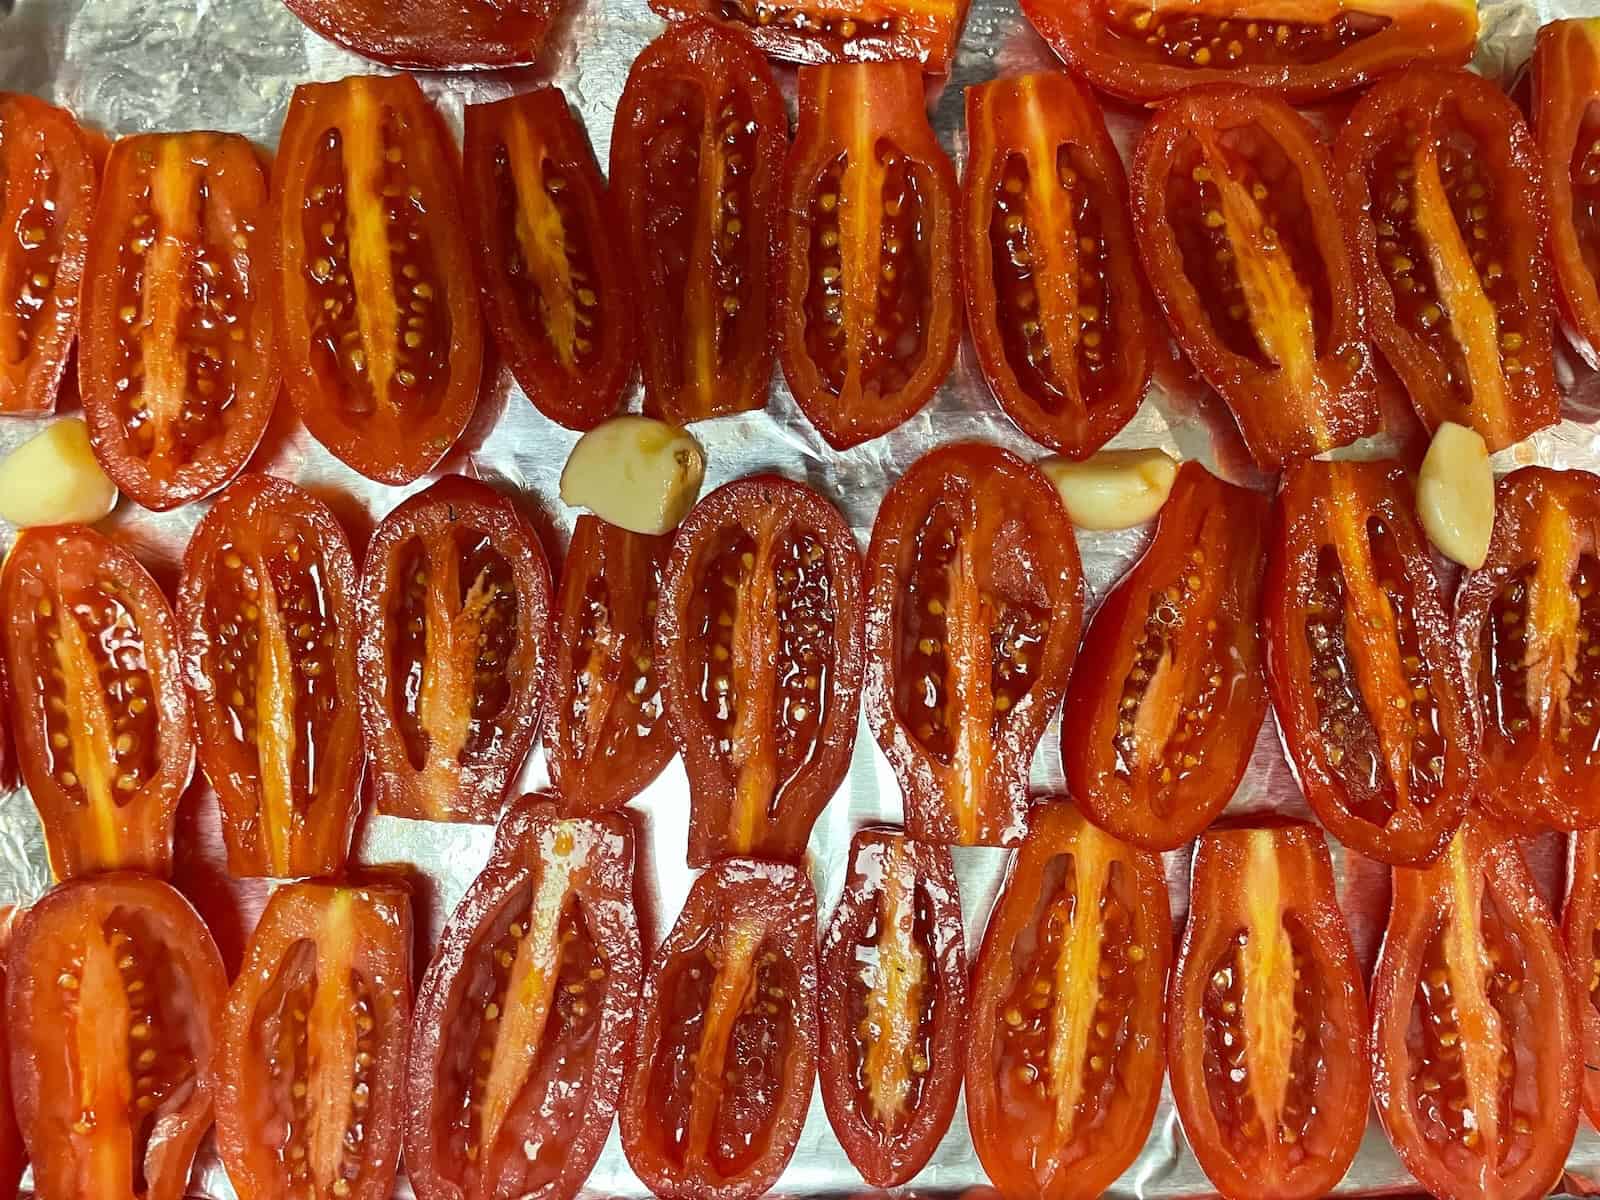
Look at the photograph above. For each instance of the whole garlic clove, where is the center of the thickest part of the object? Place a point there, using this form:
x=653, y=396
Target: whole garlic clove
x=54, y=479
x=1455, y=494
x=637, y=473
x=1114, y=489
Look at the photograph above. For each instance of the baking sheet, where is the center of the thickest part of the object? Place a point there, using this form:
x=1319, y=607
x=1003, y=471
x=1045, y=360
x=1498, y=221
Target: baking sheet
x=128, y=66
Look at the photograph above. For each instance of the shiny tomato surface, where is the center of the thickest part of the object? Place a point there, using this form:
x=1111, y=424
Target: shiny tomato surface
x=831, y=31
x=1580, y=932
x=433, y=37
x=13, y=1154
x=1566, y=130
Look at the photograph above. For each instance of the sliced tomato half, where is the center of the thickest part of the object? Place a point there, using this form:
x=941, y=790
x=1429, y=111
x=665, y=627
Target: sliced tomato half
x=1580, y=931
x=830, y=31
x=1066, y=1053
x=378, y=320
x=113, y=1009
x=725, y=1046
x=176, y=364
x=308, y=1074
x=1476, y=1047
x=267, y=612
x=1066, y=331
x=524, y=1016
x=1169, y=690
x=13, y=1154
x=424, y=36
x=1566, y=129
x=975, y=598
x=1369, y=693
x=1267, y=1021
x=104, y=737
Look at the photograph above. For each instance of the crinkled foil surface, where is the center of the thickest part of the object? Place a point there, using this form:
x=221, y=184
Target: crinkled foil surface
x=129, y=66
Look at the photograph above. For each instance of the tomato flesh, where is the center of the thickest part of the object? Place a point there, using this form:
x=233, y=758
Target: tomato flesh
x=871, y=316
x=696, y=156
x=608, y=737
x=760, y=636
x=113, y=1007
x=976, y=595
x=1065, y=1056
x=1476, y=1047
x=420, y=35
x=1268, y=1024
x=13, y=1155
x=178, y=368
x=47, y=197
x=725, y=1049
x=267, y=610
x=1580, y=932
x=455, y=621
x=1566, y=127
x=378, y=311
x=522, y=1020
x=830, y=31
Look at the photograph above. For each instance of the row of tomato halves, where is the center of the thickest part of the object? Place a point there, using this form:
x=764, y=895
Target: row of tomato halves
x=1425, y=231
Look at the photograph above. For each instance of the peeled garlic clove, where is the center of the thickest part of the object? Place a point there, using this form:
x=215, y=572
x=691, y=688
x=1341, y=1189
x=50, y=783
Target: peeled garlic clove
x=53, y=479
x=634, y=472
x=1455, y=494
x=1114, y=489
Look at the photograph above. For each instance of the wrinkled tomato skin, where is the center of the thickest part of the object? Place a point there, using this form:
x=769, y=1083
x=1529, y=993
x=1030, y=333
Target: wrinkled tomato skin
x=688, y=1133
x=1522, y=624
x=1362, y=674
x=289, y=784
x=128, y=822
x=46, y=238
x=894, y=1031
x=702, y=247
x=1462, y=251
x=1566, y=85
x=1005, y=573
x=1525, y=1015
x=608, y=736
x=531, y=180
x=566, y=876
x=1081, y=375
x=759, y=651
x=1280, y=335
x=1068, y=868
x=177, y=365
x=425, y=37
x=466, y=654
x=844, y=287
x=814, y=32
x=138, y=957
x=382, y=351
x=1264, y=919
x=309, y=1072
x=1580, y=933
x=1179, y=636
x=13, y=1155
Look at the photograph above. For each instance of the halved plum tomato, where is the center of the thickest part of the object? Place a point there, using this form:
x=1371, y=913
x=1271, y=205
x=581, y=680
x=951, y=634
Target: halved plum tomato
x=523, y=1019
x=1065, y=329
x=378, y=320
x=455, y=640
x=893, y=1005
x=833, y=31
x=1304, y=52
x=424, y=36
x=870, y=307
x=758, y=646
x=725, y=1048
x=1566, y=128
x=555, y=282
x=267, y=613
x=975, y=598
x=1477, y=1056
x=103, y=731
x=1368, y=690
x=608, y=738
x=1267, y=1019
x=309, y=1074
x=1526, y=623
x=13, y=1155
x=1580, y=931
x=48, y=185
x=113, y=1009
x=696, y=170
x=1445, y=205
x=176, y=361
x=1169, y=689
x=1243, y=244
x=1065, y=1059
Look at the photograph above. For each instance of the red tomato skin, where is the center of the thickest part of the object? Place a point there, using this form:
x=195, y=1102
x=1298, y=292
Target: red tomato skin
x=1580, y=922
x=13, y=1154
x=1566, y=81
x=469, y=34
x=878, y=32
